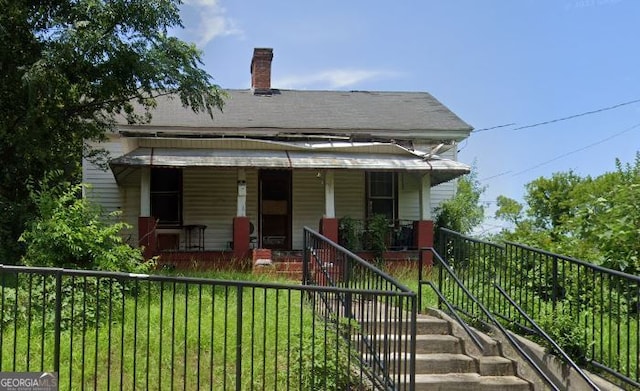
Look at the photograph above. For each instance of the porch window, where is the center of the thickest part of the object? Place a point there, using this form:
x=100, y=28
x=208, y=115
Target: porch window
x=166, y=196
x=382, y=194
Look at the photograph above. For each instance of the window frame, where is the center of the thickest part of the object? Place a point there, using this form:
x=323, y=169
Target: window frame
x=369, y=198
x=163, y=192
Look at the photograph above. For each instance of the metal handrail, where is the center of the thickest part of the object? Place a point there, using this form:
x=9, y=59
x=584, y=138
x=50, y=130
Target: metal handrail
x=493, y=320
x=361, y=262
x=550, y=340
x=464, y=324
x=576, y=261
x=392, y=288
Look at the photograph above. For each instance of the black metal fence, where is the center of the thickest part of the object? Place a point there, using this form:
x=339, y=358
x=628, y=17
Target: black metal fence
x=103, y=330
x=382, y=311
x=593, y=312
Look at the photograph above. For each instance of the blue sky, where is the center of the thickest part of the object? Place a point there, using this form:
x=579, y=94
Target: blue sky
x=492, y=62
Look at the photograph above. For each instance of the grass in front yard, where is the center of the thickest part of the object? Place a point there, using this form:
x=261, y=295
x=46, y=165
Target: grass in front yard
x=176, y=335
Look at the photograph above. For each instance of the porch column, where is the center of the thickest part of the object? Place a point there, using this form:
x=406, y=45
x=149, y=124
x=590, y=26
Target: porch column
x=146, y=222
x=242, y=193
x=423, y=229
x=145, y=191
x=329, y=222
x=425, y=197
x=241, y=226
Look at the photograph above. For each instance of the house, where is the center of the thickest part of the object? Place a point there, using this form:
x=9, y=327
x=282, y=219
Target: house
x=276, y=161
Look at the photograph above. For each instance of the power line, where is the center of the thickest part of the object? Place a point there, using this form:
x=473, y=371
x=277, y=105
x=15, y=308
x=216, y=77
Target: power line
x=495, y=176
x=579, y=115
x=600, y=110
x=492, y=128
x=578, y=150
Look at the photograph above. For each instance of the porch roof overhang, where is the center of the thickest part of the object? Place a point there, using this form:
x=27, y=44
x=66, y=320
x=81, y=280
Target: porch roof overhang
x=441, y=170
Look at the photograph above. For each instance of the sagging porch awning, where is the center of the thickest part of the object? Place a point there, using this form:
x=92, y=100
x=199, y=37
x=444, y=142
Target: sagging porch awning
x=441, y=170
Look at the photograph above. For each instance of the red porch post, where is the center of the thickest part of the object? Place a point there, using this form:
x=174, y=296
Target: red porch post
x=423, y=237
x=147, y=235
x=329, y=228
x=241, y=229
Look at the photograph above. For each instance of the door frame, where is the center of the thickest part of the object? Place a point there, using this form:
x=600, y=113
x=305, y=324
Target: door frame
x=277, y=175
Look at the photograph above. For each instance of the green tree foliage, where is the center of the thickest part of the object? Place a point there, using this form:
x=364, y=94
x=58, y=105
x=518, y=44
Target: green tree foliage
x=68, y=69
x=465, y=211
x=597, y=219
x=71, y=232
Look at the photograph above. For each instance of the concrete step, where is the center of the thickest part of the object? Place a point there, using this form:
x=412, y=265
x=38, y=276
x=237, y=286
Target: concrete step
x=431, y=325
x=469, y=382
x=438, y=343
x=496, y=366
x=424, y=325
x=425, y=343
x=504, y=383
x=445, y=363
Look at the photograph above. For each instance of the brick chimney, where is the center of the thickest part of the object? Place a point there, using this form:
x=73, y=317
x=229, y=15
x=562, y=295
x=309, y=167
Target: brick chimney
x=261, y=71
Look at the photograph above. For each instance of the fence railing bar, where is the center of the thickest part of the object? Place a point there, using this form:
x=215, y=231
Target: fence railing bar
x=576, y=261
x=550, y=340
x=615, y=374
x=493, y=320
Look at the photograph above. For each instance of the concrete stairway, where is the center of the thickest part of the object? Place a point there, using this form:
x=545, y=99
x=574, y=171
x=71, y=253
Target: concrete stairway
x=443, y=363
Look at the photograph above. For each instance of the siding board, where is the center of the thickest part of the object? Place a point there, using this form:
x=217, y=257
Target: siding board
x=308, y=203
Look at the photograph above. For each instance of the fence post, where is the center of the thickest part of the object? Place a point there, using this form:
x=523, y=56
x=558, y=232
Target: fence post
x=56, y=325
x=347, y=284
x=305, y=258
x=239, y=316
x=554, y=282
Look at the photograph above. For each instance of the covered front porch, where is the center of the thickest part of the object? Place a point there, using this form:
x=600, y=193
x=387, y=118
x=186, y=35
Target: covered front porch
x=211, y=207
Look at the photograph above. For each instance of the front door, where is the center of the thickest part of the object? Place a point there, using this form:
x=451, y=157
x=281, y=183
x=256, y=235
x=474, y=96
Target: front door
x=275, y=209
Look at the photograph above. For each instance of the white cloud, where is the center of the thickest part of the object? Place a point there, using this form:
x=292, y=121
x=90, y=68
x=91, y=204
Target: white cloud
x=332, y=79
x=213, y=21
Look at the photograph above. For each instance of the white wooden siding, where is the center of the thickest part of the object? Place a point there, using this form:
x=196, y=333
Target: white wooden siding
x=445, y=191
x=308, y=203
x=350, y=194
x=209, y=197
x=408, y=196
x=131, y=210
x=104, y=189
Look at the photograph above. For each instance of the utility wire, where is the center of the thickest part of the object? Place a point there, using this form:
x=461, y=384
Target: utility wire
x=495, y=176
x=492, y=128
x=579, y=115
x=578, y=150
x=559, y=119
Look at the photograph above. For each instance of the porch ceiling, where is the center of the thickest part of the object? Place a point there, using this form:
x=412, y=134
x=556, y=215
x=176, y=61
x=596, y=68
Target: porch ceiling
x=441, y=170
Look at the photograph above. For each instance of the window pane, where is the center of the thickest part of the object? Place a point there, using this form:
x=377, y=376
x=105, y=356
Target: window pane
x=166, y=195
x=382, y=207
x=165, y=179
x=166, y=208
x=381, y=184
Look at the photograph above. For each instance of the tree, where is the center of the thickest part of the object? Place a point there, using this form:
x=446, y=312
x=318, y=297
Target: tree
x=549, y=200
x=72, y=232
x=67, y=70
x=464, y=212
x=596, y=219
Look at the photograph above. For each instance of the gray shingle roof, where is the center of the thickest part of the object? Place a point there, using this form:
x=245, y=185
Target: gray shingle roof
x=415, y=115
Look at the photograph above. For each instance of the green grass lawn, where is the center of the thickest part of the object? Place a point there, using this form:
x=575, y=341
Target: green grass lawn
x=181, y=336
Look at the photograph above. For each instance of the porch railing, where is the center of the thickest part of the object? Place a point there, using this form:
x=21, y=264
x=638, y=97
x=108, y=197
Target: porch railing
x=104, y=330
x=382, y=310
x=594, y=310
x=370, y=234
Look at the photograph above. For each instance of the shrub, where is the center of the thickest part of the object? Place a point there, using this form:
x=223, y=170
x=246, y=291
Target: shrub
x=563, y=328
x=72, y=232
